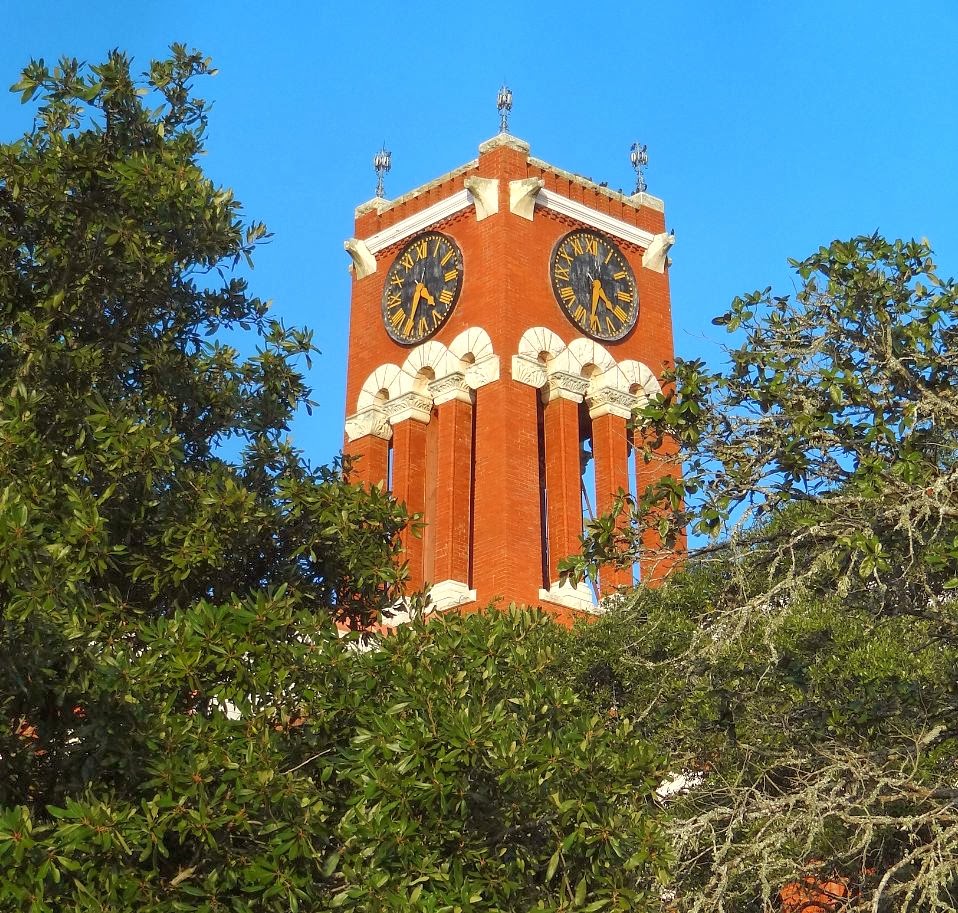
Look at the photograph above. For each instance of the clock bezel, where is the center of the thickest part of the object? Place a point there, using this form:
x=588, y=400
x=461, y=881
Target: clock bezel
x=407, y=247
x=631, y=321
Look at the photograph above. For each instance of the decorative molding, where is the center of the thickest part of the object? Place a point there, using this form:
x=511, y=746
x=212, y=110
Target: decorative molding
x=577, y=598
x=609, y=401
x=529, y=371
x=485, y=194
x=483, y=372
x=562, y=385
x=548, y=199
x=369, y=421
x=411, y=405
x=656, y=257
x=404, y=228
x=474, y=341
x=452, y=386
x=364, y=263
x=448, y=594
x=376, y=204
x=522, y=196
x=538, y=340
x=385, y=377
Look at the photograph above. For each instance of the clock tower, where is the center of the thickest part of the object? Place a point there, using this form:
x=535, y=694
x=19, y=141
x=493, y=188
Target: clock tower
x=506, y=319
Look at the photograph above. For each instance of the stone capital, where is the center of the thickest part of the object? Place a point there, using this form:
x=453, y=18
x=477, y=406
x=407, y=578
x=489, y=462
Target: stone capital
x=609, y=401
x=409, y=406
x=368, y=421
x=563, y=385
x=482, y=372
x=450, y=387
x=528, y=371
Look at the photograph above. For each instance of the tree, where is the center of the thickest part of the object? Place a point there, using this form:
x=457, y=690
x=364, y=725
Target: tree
x=181, y=725
x=803, y=668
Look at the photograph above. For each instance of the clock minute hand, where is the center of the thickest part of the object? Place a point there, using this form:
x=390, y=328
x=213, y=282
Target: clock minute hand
x=417, y=295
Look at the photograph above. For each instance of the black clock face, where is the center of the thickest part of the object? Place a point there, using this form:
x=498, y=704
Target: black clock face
x=594, y=285
x=422, y=287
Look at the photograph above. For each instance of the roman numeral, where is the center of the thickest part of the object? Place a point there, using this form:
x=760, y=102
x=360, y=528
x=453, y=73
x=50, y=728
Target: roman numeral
x=421, y=248
x=435, y=250
x=423, y=327
x=567, y=294
x=565, y=255
x=445, y=296
x=446, y=256
x=395, y=279
x=450, y=276
x=619, y=312
x=621, y=274
x=561, y=273
x=396, y=318
x=435, y=318
x=609, y=325
x=406, y=260
x=394, y=300
x=608, y=256
x=576, y=245
x=592, y=246
x=624, y=296
x=579, y=314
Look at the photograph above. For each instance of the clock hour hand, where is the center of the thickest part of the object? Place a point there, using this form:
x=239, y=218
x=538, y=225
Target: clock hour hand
x=421, y=293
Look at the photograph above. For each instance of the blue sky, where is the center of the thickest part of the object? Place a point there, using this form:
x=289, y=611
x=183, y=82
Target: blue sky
x=772, y=128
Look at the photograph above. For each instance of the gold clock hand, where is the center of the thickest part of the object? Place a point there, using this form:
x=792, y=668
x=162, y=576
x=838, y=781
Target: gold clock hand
x=417, y=295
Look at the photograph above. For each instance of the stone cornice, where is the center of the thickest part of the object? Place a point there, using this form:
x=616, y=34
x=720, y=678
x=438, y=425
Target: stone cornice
x=548, y=199
x=409, y=406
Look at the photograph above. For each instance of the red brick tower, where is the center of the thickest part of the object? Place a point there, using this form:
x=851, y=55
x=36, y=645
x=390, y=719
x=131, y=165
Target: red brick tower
x=502, y=315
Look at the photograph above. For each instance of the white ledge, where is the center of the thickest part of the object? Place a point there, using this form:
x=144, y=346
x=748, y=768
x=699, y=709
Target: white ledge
x=404, y=228
x=548, y=199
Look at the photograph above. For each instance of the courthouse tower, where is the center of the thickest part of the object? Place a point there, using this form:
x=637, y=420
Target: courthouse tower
x=504, y=317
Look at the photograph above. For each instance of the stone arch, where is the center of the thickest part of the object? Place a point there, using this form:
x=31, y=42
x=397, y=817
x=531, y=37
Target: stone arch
x=473, y=343
x=424, y=364
x=385, y=377
x=581, y=353
x=538, y=340
x=639, y=380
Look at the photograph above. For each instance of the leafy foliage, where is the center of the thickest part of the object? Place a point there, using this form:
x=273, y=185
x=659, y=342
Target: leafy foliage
x=182, y=727
x=803, y=668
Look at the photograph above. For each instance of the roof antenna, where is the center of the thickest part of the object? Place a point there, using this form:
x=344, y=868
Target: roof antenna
x=382, y=162
x=504, y=104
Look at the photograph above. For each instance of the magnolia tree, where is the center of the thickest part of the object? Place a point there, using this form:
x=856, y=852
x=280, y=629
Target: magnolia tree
x=802, y=671
x=181, y=725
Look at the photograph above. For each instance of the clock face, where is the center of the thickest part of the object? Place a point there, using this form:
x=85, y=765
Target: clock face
x=594, y=284
x=422, y=287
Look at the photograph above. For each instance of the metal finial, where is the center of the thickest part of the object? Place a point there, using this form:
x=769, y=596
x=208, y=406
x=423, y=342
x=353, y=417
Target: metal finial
x=382, y=162
x=504, y=104
x=640, y=158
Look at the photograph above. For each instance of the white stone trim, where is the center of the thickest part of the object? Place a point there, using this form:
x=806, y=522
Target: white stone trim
x=522, y=196
x=368, y=421
x=418, y=221
x=578, y=598
x=475, y=342
x=449, y=594
x=529, y=371
x=452, y=386
x=639, y=375
x=589, y=352
x=485, y=195
x=412, y=406
x=562, y=385
x=385, y=377
x=609, y=401
x=364, y=263
x=549, y=199
x=656, y=258
x=537, y=340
